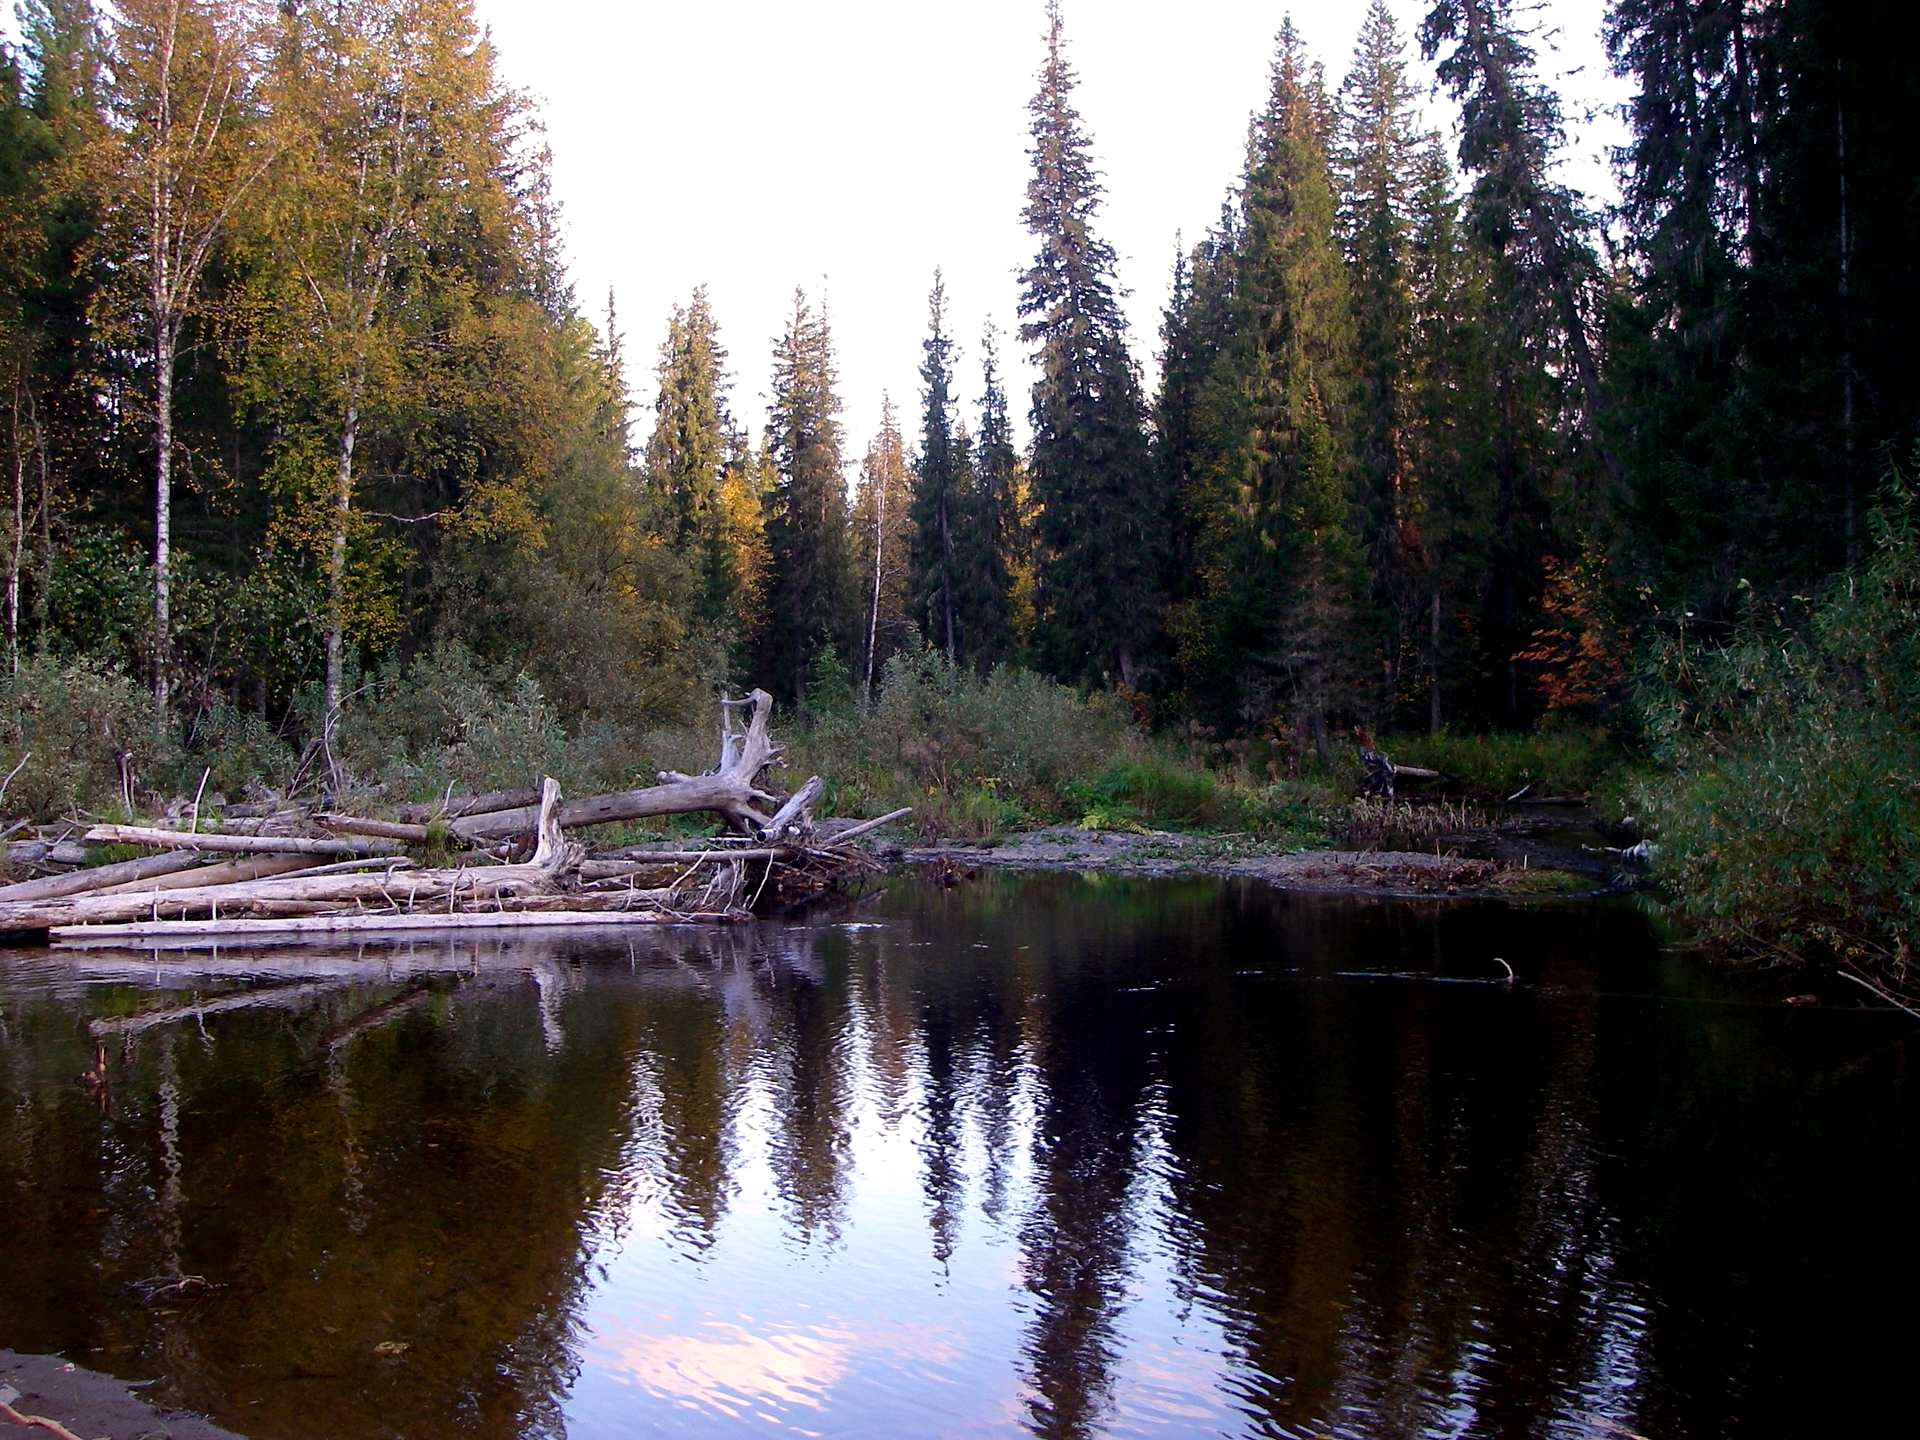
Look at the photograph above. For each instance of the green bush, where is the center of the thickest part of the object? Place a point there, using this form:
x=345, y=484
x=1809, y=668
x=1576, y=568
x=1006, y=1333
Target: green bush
x=1556, y=759
x=238, y=750
x=445, y=719
x=1788, y=819
x=934, y=734
x=1158, y=792
x=76, y=716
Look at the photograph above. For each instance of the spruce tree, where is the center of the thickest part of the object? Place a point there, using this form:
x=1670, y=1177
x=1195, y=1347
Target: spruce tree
x=1099, y=528
x=993, y=539
x=1376, y=159
x=1511, y=129
x=810, y=605
x=937, y=487
x=1544, y=276
x=1279, y=559
x=687, y=457
x=1455, y=425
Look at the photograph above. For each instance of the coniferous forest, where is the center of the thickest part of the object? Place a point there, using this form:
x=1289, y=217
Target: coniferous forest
x=308, y=438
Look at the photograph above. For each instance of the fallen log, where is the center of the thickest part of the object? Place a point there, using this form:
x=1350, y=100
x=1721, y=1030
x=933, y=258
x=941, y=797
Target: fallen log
x=459, y=806
x=103, y=877
x=226, y=872
x=385, y=829
x=237, y=844
x=551, y=857
x=731, y=790
x=796, y=816
x=62, y=851
x=854, y=832
x=296, y=930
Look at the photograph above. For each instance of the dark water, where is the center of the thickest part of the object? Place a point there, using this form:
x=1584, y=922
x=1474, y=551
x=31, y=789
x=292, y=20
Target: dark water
x=1053, y=1155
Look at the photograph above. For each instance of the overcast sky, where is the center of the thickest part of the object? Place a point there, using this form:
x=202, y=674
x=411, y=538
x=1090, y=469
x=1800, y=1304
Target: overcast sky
x=850, y=146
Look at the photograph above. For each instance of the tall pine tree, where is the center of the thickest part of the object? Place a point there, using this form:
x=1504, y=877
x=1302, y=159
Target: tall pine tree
x=1274, y=625
x=1100, y=516
x=1376, y=157
x=937, y=493
x=811, y=605
x=992, y=536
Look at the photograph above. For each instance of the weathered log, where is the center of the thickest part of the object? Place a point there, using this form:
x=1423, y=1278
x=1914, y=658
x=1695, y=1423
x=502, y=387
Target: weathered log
x=403, y=888
x=61, y=851
x=385, y=829
x=103, y=877
x=730, y=791
x=854, y=832
x=297, y=930
x=235, y=844
x=459, y=806
x=796, y=816
x=226, y=872
x=232, y=824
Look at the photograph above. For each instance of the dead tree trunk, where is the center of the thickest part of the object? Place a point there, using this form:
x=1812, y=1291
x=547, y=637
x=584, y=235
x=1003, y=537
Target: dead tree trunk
x=731, y=790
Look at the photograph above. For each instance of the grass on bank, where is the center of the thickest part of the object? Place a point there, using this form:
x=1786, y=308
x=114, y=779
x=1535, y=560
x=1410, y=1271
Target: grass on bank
x=975, y=756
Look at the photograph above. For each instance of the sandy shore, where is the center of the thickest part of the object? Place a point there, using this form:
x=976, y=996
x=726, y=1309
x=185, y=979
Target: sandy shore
x=91, y=1405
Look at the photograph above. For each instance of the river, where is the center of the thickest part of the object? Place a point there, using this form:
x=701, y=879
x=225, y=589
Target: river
x=1053, y=1154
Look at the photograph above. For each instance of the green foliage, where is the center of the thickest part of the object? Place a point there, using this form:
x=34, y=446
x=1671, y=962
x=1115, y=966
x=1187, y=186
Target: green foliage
x=950, y=742
x=1788, y=815
x=1553, y=760
x=811, y=602
x=239, y=750
x=75, y=716
x=445, y=718
x=1159, y=792
x=1100, y=527
x=830, y=694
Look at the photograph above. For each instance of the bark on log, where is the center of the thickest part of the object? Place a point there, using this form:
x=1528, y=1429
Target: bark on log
x=236, y=844
x=853, y=832
x=104, y=877
x=227, y=872
x=46, y=852
x=730, y=791
x=385, y=829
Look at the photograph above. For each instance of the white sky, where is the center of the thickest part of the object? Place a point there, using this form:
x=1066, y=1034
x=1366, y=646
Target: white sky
x=851, y=146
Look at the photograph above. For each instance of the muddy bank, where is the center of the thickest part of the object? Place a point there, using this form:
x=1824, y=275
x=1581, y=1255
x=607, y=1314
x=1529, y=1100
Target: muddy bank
x=93, y=1406
x=1477, y=868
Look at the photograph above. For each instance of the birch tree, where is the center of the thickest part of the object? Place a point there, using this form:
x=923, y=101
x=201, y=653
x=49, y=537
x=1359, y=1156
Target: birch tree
x=381, y=107
x=180, y=157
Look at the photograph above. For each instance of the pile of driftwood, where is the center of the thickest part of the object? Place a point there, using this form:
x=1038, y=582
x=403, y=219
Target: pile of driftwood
x=294, y=873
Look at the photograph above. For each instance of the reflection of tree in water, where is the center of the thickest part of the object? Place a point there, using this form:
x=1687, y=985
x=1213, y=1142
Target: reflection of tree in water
x=809, y=1063
x=378, y=1165
x=1394, y=1204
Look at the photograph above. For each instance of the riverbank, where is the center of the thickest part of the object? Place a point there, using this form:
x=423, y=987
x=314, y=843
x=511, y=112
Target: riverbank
x=89, y=1404
x=1495, y=865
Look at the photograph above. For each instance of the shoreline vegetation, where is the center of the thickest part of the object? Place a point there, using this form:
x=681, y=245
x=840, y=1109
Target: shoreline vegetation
x=325, y=487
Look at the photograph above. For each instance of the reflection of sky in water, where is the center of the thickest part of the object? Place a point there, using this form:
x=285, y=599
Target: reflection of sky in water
x=859, y=1327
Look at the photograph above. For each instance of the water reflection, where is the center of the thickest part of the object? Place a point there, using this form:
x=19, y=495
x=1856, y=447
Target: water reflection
x=1056, y=1155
